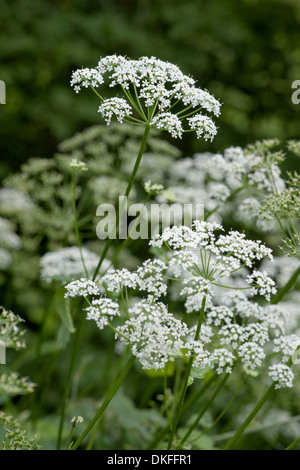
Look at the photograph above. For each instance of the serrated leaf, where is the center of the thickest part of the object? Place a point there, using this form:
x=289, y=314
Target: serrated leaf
x=63, y=309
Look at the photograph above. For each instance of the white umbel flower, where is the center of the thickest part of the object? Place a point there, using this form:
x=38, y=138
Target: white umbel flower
x=155, y=90
x=169, y=122
x=282, y=375
x=114, y=107
x=154, y=334
x=82, y=288
x=204, y=126
x=102, y=310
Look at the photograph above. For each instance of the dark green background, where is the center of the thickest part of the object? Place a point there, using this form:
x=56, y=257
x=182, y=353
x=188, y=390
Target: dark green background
x=246, y=52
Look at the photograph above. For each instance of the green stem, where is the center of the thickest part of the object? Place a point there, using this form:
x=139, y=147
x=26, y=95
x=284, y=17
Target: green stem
x=188, y=404
x=205, y=408
x=223, y=412
x=127, y=192
x=76, y=225
x=111, y=393
x=187, y=375
x=249, y=418
x=69, y=379
x=293, y=444
x=70, y=438
x=281, y=293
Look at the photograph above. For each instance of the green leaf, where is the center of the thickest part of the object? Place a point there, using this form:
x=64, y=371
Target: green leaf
x=199, y=373
x=62, y=336
x=63, y=309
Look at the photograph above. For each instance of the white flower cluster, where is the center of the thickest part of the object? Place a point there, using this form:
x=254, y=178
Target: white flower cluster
x=154, y=334
x=150, y=84
x=282, y=375
x=148, y=278
x=86, y=77
x=12, y=201
x=169, y=122
x=9, y=240
x=66, y=264
x=10, y=330
x=213, y=179
x=234, y=329
x=82, y=288
x=203, y=126
x=262, y=283
x=78, y=165
x=102, y=310
x=219, y=256
x=114, y=107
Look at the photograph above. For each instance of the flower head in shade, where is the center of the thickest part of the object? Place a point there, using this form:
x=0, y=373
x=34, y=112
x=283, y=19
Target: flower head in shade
x=154, y=92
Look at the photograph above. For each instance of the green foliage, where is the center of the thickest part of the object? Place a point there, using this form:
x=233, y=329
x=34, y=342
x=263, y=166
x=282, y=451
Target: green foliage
x=246, y=53
x=13, y=437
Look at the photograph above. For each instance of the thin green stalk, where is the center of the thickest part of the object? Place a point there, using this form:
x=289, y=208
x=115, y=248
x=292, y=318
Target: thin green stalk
x=126, y=241
x=205, y=408
x=194, y=398
x=140, y=105
x=256, y=429
x=69, y=378
x=111, y=393
x=76, y=224
x=281, y=293
x=166, y=399
x=70, y=438
x=223, y=412
x=188, y=404
x=187, y=375
x=293, y=444
x=249, y=418
x=127, y=192
x=121, y=361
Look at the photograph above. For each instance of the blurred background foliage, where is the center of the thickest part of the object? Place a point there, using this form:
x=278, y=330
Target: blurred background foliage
x=246, y=53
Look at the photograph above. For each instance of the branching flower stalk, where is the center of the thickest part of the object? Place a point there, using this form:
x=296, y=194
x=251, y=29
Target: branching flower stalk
x=75, y=170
